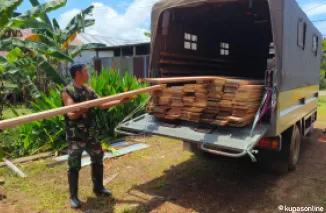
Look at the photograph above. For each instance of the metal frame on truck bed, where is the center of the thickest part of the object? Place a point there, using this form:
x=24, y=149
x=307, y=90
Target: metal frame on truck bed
x=292, y=74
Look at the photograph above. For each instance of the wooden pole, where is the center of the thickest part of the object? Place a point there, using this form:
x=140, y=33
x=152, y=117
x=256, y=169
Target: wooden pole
x=229, y=80
x=66, y=109
x=14, y=168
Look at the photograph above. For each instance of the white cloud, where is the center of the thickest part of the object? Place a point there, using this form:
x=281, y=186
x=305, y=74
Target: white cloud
x=67, y=16
x=313, y=9
x=128, y=26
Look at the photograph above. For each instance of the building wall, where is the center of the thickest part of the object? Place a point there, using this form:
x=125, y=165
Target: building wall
x=87, y=56
x=136, y=65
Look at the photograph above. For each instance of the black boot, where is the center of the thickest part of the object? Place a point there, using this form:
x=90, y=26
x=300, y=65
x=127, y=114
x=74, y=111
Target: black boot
x=97, y=177
x=73, y=177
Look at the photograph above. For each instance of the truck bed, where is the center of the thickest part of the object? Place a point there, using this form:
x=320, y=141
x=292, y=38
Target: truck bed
x=234, y=141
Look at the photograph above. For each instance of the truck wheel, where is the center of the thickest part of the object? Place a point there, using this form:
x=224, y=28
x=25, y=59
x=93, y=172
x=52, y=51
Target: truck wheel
x=286, y=160
x=294, y=151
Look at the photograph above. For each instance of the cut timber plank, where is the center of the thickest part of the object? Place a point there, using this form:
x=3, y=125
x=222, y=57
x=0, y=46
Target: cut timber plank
x=177, y=103
x=228, y=96
x=200, y=103
x=241, y=119
x=160, y=109
x=165, y=101
x=244, y=82
x=63, y=110
x=193, y=109
x=219, y=122
x=190, y=88
x=121, y=152
x=201, y=96
x=213, y=103
x=181, y=79
x=214, y=110
x=208, y=115
x=14, y=168
x=61, y=159
x=30, y=158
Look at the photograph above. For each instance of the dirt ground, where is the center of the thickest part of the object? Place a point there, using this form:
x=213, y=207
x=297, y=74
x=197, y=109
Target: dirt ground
x=164, y=178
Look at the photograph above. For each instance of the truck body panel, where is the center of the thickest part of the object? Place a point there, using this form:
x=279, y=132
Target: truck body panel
x=241, y=39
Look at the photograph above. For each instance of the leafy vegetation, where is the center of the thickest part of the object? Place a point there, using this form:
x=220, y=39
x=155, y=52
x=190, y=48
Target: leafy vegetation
x=49, y=134
x=22, y=53
x=323, y=68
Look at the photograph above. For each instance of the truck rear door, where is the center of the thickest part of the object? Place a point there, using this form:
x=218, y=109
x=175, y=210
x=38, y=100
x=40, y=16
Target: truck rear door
x=226, y=141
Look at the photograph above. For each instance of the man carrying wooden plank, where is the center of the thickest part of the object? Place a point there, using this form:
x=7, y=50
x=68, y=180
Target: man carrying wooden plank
x=81, y=133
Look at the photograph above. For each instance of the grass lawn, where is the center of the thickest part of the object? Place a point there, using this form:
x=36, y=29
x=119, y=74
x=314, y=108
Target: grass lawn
x=321, y=117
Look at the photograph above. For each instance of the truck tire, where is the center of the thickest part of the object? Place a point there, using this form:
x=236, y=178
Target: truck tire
x=295, y=147
x=285, y=160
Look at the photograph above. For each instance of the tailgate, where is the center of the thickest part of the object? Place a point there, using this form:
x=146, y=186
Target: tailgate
x=227, y=141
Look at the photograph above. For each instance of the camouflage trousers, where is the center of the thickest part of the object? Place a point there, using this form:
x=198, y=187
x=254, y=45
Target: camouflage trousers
x=76, y=148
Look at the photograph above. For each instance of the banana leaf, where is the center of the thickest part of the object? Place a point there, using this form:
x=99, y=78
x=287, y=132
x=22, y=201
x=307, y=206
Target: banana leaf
x=49, y=70
x=35, y=12
x=17, y=74
x=11, y=43
x=43, y=31
x=14, y=54
x=7, y=9
x=56, y=26
x=42, y=39
x=80, y=24
x=33, y=24
x=76, y=19
x=45, y=17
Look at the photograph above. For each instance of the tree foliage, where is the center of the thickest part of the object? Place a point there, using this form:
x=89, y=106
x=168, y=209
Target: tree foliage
x=323, y=67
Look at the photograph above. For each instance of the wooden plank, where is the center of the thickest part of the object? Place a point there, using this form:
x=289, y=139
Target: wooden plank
x=181, y=79
x=219, y=122
x=244, y=82
x=30, y=158
x=14, y=168
x=63, y=110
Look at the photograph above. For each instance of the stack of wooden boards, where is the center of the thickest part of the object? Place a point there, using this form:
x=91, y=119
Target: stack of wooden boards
x=219, y=102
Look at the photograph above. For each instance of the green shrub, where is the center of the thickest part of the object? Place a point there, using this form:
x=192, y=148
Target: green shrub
x=49, y=134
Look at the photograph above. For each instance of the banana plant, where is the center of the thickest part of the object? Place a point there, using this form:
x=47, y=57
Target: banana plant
x=14, y=67
x=39, y=51
x=9, y=21
x=53, y=36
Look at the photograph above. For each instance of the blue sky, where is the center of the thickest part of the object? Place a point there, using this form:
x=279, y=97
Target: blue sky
x=118, y=5
x=125, y=20
x=129, y=19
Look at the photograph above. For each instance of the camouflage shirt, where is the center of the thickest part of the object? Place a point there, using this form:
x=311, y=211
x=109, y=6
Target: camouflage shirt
x=84, y=127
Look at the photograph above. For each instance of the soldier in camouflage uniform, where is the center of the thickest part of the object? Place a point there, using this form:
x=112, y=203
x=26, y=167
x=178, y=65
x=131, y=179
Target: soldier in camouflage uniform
x=81, y=133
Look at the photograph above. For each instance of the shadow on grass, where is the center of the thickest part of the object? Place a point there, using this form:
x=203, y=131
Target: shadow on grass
x=217, y=184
